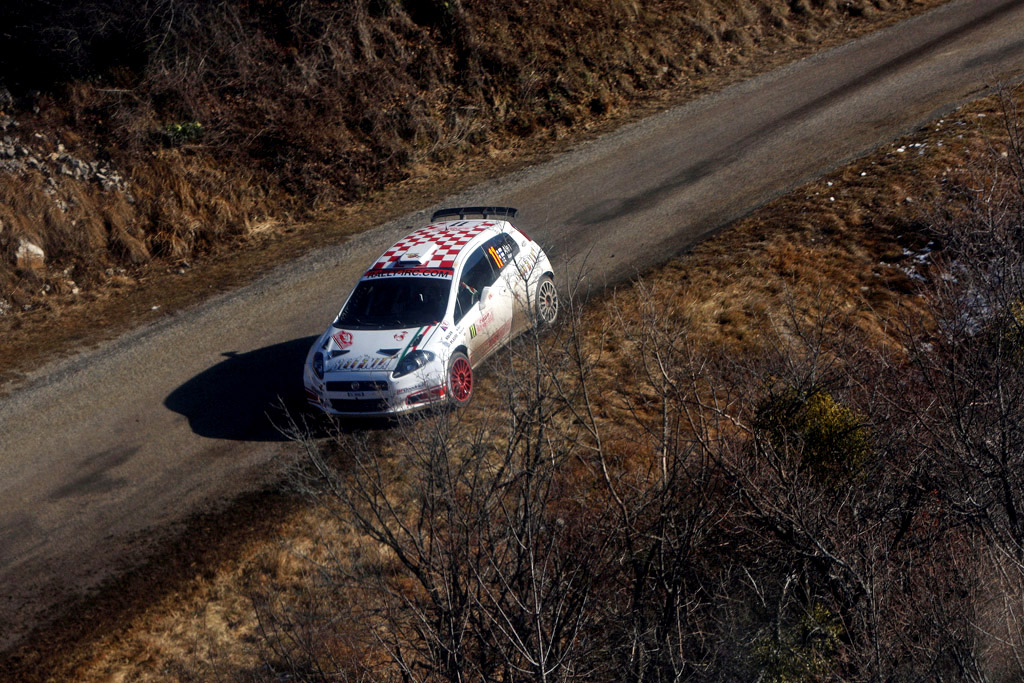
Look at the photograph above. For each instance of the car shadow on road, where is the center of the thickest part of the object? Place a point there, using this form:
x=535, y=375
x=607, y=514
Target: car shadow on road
x=247, y=396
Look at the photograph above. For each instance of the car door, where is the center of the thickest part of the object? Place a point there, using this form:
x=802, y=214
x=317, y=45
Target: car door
x=483, y=304
x=502, y=295
x=516, y=280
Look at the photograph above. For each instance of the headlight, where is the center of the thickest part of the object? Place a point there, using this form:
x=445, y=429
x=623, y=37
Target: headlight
x=318, y=365
x=413, y=361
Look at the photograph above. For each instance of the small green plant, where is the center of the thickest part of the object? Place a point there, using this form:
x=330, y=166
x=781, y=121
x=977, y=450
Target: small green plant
x=830, y=439
x=183, y=133
x=804, y=651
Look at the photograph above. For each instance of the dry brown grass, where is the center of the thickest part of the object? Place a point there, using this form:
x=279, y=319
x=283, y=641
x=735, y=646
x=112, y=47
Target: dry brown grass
x=320, y=105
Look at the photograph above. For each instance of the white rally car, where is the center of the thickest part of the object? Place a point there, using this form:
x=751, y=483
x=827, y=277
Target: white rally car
x=431, y=309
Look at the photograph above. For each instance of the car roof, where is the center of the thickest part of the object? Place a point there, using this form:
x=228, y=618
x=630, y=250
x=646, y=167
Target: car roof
x=436, y=246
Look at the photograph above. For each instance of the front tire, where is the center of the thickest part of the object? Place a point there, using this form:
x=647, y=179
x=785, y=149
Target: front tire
x=460, y=379
x=546, y=303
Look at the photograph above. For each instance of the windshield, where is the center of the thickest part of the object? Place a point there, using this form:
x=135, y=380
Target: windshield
x=395, y=302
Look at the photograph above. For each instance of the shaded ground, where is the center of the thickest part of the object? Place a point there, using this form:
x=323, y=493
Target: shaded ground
x=239, y=398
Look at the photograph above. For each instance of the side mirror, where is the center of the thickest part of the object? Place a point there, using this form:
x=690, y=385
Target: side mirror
x=484, y=293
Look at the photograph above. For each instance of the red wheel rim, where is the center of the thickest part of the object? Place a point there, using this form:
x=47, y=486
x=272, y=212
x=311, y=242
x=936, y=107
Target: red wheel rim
x=461, y=379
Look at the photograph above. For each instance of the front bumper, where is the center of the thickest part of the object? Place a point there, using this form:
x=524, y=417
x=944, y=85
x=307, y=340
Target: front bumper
x=369, y=394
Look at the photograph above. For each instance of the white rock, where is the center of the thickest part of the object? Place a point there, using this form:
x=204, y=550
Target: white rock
x=29, y=255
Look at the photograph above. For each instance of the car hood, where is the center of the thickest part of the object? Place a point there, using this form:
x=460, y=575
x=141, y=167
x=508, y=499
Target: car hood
x=371, y=350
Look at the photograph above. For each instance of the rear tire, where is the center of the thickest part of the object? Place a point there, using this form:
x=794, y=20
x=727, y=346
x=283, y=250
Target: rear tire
x=460, y=379
x=546, y=304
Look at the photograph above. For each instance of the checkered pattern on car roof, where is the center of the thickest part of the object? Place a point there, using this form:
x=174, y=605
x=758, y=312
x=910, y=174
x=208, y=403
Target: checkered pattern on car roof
x=450, y=239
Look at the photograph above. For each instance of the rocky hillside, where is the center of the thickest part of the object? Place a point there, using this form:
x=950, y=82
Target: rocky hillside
x=156, y=132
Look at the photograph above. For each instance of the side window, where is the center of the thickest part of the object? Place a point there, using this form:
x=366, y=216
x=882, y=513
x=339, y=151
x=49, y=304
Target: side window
x=511, y=245
x=479, y=272
x=501, y=249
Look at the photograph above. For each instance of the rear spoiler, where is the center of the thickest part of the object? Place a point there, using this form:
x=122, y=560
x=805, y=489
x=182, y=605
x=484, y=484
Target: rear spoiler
x=482, y=211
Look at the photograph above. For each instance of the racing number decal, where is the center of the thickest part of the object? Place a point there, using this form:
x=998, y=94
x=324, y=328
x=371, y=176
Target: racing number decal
x=497, y=259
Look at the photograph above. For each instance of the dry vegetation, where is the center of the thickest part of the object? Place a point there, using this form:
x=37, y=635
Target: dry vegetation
x=152, y=137
x=811, y=473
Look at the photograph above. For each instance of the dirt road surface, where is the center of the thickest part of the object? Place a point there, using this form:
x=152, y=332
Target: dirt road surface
x=104, y=449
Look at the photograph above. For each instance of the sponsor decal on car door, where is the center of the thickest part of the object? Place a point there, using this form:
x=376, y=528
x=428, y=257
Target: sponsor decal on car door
x=496, y=315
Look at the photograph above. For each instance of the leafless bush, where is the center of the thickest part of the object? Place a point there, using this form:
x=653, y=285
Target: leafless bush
x=657, y=533
x=827, y=508
x=863, y=538
x=969, y=381
x=488, y=574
